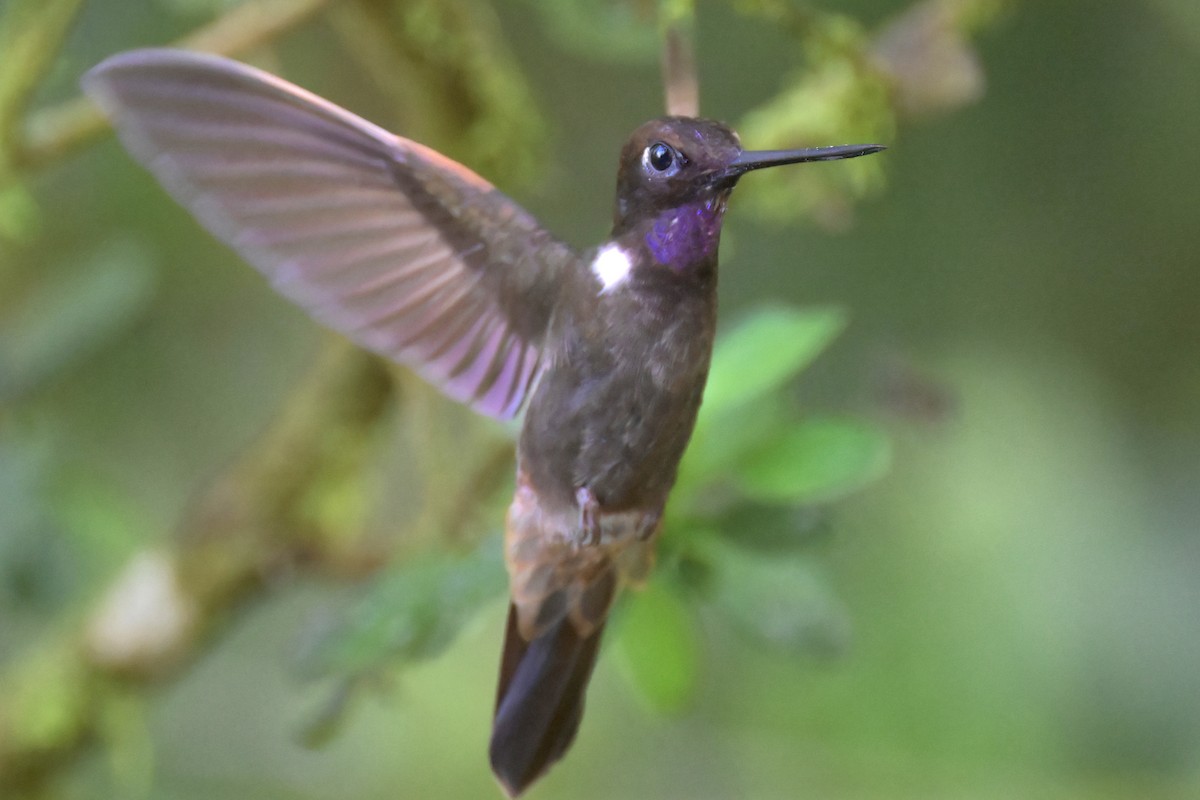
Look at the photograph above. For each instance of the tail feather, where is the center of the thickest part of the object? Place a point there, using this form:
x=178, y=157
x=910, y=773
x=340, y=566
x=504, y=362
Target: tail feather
x=539, y=703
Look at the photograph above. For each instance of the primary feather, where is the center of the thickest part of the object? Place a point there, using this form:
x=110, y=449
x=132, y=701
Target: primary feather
x=408, y=253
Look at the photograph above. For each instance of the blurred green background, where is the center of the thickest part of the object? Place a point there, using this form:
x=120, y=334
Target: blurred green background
x=1015, y=605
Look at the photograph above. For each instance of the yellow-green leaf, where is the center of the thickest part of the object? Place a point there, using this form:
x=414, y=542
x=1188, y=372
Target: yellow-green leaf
x=658, y=648
x=817, y=460
x=764, y=352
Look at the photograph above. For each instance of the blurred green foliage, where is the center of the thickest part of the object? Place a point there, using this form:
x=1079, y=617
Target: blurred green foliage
x=1008, y=612
x=837, y=94
x=464, y=88
x=70, y=314
x=620, y=32
x=408, y=614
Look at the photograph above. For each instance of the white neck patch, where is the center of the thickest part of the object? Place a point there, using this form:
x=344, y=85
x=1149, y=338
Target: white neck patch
x=611, y=267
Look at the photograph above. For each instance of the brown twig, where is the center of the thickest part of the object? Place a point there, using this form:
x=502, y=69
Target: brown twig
x=680, y=82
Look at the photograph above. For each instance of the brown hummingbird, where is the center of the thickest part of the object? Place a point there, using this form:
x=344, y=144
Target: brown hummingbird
x=419, y=259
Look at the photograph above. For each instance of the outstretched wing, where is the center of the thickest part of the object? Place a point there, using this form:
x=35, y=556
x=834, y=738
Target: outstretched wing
x=408, y=253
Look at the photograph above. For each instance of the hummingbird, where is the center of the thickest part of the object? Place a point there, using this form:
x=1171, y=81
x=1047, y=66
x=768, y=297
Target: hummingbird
x=419, y=259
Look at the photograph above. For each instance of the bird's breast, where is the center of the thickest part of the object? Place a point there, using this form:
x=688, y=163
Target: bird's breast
x=617, y=401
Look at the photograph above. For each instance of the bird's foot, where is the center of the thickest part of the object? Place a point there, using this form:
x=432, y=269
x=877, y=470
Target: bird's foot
x=648, y=525
x=589, y=517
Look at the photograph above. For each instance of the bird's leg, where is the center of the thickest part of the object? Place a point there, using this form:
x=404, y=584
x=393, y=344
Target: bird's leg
x=649, y=523
x=589, y=516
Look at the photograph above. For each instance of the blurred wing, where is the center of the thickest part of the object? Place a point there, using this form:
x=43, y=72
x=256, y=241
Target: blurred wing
x=410, y=254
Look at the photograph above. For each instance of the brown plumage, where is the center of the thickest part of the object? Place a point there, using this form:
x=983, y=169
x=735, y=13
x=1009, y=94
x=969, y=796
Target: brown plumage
x=561, y=592
x=421, y=260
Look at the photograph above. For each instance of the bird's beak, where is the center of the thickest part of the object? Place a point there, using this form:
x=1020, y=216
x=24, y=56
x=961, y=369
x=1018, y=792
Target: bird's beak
x=757, y=159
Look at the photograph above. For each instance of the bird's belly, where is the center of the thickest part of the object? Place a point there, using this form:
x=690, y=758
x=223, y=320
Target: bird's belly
x=618, y=432
x=629, y=457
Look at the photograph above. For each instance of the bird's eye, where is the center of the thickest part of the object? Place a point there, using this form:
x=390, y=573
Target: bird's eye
x=661, y=158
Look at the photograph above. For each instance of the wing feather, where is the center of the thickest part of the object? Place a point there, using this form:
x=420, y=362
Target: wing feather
x=405, y=251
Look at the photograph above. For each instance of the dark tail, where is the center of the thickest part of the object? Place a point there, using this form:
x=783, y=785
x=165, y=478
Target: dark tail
x=540, y=700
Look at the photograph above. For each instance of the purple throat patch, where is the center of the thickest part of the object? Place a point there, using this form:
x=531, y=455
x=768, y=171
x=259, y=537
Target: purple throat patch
x=686, y=235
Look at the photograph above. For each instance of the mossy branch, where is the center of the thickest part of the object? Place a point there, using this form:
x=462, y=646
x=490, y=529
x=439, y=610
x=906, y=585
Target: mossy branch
x=250, y=525
x=163, y=607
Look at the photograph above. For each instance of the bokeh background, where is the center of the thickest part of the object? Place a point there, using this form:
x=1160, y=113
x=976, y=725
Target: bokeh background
x=1018, y=597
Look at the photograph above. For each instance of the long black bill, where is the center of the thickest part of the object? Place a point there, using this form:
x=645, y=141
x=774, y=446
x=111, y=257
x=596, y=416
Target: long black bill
x=757, y=159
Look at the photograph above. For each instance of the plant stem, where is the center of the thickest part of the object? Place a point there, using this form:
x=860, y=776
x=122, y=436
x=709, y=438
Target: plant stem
x=680, y=82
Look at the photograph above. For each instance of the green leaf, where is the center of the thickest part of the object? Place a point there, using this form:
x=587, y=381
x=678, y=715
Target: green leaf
x=658, y=649
x=781, y=530
x=815, y=461
x=411, y=613
x=715, y=448
x=323, y=724
x=762, y=353
x=752, y=361
x=784, y=603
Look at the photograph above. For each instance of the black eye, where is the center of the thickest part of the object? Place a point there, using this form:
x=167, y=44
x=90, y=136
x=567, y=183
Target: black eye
x=660, y=156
